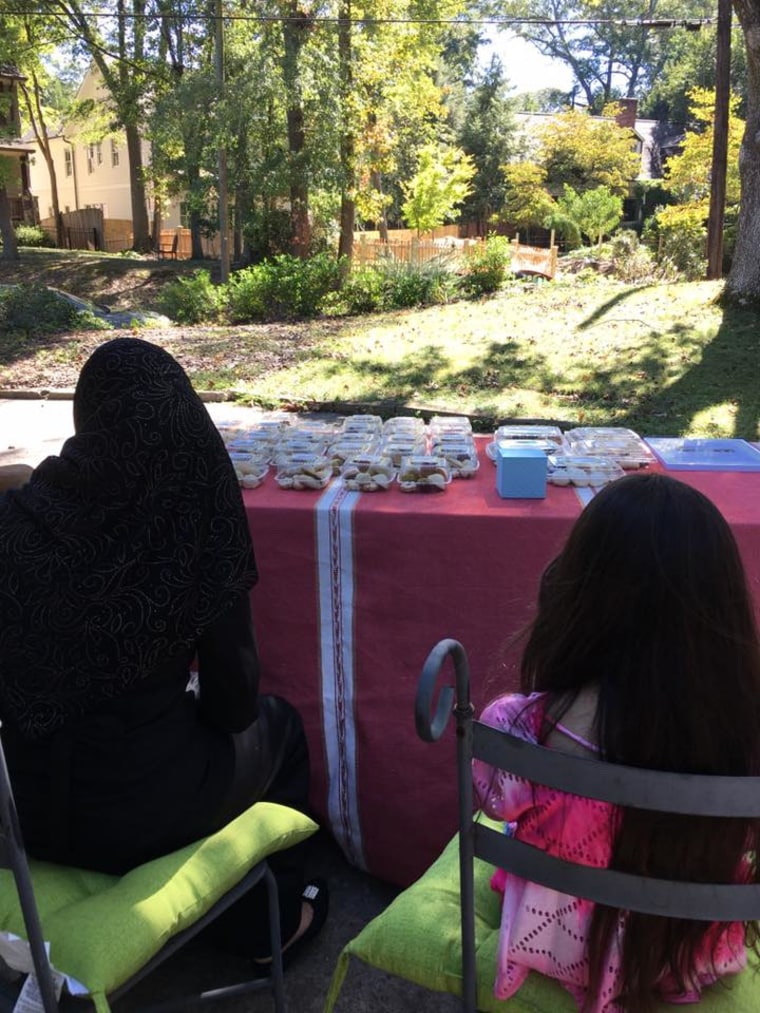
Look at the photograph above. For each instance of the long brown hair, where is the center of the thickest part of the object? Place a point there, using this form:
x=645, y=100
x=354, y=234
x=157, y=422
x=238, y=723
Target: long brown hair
x=648, y=603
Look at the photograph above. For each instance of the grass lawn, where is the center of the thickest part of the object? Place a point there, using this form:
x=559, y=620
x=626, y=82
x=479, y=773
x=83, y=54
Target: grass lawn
x=663, y=359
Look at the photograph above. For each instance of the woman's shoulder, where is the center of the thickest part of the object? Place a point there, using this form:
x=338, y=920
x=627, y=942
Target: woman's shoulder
x=517, y=713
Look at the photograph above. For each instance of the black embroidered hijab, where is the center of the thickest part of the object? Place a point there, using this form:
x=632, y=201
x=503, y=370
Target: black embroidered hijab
x=122, y=550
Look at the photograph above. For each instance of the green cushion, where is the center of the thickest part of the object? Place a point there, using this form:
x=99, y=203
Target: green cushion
x=417, y=937
x=102, y=929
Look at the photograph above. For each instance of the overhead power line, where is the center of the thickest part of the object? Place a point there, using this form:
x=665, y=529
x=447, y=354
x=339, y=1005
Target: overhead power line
x=690, y=24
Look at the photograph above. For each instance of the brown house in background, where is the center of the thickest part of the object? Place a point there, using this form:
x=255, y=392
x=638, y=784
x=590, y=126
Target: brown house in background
x=23, y=205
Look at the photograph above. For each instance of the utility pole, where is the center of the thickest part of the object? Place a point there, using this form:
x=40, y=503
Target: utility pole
x=224, y=221
x=720, y=143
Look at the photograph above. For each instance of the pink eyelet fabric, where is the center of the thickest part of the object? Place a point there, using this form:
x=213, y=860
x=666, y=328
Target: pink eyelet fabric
x=544, y=930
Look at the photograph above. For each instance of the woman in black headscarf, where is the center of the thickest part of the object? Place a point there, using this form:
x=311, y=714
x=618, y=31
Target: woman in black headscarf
x=121, y=561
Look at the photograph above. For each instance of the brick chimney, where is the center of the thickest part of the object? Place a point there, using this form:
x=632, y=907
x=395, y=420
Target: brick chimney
x=628, y=110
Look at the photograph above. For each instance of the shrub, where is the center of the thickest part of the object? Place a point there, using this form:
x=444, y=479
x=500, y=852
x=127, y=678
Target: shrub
x=363, y=291
x=35, y=309
x=32, y=235
x=678, y=235
x=408, y=285
x=631, y=261
x=283, y=288
x=193, y=299
x=487, y=267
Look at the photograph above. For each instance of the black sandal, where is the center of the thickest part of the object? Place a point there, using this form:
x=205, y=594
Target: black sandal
x=316, y=895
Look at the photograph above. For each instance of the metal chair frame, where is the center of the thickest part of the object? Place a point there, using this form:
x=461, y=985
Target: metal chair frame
x=13, y=856
x=660, y=791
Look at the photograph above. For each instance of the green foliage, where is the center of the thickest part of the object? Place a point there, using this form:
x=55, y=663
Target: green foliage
x=596, y=212
x=442, y=182
x=193, y=299
x=678, y=235
x=33, y=309
x=585, y=152
x=283, y=288
x=687, y=175
x=488, y=267
x=527, y=202
x=409, y=285
x=32, y=235
x=363, y=291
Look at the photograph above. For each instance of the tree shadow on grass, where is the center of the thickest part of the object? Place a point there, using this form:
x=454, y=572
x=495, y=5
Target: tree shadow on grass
x=429, y=373
x=726, y=371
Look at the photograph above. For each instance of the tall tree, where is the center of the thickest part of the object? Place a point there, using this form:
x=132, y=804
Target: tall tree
x=486, y=134
x=743, y=282
x=117, y=37
x=609, y=54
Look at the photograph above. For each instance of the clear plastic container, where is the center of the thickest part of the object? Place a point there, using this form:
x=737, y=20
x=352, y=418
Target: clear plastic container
x=362, y=424
x=573, y=469
x=623, y=446
x=404, y=425
x=460, y=456
x=250, y=470
x=530, y=431
x=423, y=473
x=536, y=443
x=450, y=424
x=368, y=473
x=300, y=444
x=303, y=471
x=351, y=446
x=399, y=447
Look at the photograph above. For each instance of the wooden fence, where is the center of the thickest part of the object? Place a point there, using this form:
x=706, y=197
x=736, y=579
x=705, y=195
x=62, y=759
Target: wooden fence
x=452, y=251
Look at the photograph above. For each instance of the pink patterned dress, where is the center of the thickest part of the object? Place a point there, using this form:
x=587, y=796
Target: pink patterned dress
x=544, y=930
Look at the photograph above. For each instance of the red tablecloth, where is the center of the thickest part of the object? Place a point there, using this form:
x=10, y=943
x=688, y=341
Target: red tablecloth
x=356, y=588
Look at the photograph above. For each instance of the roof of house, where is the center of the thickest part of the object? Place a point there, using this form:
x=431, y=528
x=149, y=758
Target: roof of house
x=8, y=70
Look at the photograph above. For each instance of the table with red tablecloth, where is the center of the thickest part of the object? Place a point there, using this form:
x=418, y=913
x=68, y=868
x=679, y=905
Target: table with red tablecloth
x=354, y=590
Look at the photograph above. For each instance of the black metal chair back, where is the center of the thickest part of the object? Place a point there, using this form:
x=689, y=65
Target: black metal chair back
x=658, y=791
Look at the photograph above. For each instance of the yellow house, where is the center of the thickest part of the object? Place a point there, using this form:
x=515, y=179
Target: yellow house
x=93, y=175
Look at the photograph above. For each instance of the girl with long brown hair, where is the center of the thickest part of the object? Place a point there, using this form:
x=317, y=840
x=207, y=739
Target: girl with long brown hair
x=644, y=651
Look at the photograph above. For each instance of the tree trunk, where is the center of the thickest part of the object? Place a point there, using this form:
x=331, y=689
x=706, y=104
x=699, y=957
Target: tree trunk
x=744, y=278
x=140, y=225
x=347, y=137
x=39, y=126
x=10, y=247
x=294, y=32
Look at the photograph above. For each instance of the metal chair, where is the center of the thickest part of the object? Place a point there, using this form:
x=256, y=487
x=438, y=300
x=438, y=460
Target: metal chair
x=659, y=791
x=13, y=856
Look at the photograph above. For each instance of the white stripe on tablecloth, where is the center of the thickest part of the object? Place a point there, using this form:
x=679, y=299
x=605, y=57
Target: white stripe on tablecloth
x=585, y=493
x=335, y=570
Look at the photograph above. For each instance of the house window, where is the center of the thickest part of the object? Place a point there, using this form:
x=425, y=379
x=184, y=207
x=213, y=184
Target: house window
x=114, y=153
x=184, y=215
x=90, y=157
x=68, y=161
x=99, y=153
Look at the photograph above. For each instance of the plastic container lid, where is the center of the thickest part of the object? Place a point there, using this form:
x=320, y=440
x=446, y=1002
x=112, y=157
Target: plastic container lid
x=529, y=431
x=534, y=443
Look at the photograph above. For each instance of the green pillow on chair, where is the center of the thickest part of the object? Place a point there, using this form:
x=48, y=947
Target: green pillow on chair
x=417, y=937
x=102, y=929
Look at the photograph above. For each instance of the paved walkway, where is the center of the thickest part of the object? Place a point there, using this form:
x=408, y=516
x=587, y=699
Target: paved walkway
x=30, y=429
